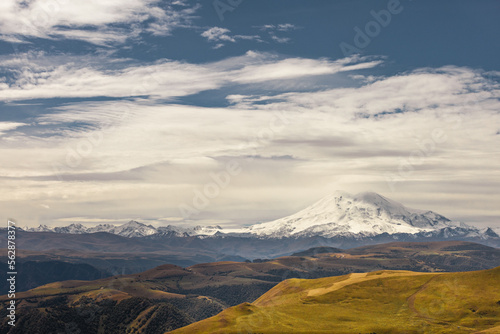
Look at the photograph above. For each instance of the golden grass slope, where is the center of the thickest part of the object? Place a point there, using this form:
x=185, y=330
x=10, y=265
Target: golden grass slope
x=376, y=302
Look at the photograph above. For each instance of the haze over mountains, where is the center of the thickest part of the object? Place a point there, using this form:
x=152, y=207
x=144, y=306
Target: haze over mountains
x=340, y=214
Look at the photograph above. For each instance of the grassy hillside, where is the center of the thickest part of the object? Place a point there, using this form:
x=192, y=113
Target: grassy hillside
x=376, y=302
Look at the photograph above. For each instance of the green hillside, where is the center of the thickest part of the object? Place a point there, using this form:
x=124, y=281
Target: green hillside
x=376, y=302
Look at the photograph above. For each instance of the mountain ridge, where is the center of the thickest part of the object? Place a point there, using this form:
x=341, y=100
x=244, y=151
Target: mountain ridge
x=341, y=213
x=338, y=215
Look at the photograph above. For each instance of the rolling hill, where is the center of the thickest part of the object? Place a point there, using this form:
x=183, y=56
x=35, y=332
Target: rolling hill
x=376, y=302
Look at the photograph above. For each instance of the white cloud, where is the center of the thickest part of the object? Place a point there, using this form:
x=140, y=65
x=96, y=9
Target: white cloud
x=438, y=90
x=278, y=27
x=148, y=156
x=294, y=68
x=280, y=39
x=164, y=78
x=37, y=76
x=97, y=22
x=218, y=35
x=273, y=29
x=7, y=126
x=286, y=27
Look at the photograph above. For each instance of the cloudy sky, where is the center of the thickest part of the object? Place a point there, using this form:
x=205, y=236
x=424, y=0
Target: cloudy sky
x=240, y=111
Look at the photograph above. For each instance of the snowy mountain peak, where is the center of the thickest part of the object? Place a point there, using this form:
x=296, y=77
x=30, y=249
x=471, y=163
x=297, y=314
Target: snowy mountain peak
x=209, y=229
x=72, y=229
x=134, y=223
x=133, y=229
x=341, y=213
x=101, y=228
x=191, y=231
x=41, y=228
x=489, y=232
x=381, y=202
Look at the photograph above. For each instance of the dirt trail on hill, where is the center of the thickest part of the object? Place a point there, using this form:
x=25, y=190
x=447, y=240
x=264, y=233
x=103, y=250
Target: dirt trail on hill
x=411, y=305
x=411, y=300
x=357, y=278
x=353, y=278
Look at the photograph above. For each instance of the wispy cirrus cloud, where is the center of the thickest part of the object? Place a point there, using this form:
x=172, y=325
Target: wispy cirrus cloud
x=274, y=29
x=282, y=69
x=222, y=35
x=7, y=126
x=96, y=22
x=37, y=76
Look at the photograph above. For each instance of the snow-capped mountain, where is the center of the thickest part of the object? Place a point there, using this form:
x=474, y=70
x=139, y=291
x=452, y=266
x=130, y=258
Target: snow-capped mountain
x=101, y=228
x=364, y=214
x=190, y=231
x=489, y=232
x=129, y=230
x=72, y=229
x=41, y=228
x=132, y=229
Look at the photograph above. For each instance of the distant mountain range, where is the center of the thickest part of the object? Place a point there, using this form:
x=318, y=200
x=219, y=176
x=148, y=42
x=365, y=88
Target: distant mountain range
x=132, y=229
x=339, y=215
